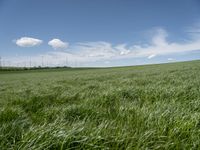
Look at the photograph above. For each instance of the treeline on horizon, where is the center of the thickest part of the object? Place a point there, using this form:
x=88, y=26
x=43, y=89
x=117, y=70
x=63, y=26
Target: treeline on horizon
x=32, y=68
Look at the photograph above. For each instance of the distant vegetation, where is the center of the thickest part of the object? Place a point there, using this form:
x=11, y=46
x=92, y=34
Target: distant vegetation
x=30, y=68
x=141, y=107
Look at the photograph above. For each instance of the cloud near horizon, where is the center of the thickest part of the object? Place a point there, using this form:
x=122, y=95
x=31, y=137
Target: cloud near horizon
x=87, y=52
x=28, y=42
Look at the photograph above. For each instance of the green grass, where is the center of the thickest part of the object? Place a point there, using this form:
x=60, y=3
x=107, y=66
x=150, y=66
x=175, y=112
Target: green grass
x=141, y=107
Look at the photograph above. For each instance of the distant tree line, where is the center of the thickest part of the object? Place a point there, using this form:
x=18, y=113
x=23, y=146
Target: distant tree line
x=32, y=68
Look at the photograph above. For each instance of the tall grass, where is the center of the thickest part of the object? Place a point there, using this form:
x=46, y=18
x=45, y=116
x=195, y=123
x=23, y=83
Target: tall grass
x=142, y=107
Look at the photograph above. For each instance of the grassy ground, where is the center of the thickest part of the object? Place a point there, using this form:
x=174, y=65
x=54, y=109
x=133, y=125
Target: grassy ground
x=142, y=107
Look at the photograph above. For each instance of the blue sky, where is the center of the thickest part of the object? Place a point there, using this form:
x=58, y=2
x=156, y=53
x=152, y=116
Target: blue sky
x=98, y=32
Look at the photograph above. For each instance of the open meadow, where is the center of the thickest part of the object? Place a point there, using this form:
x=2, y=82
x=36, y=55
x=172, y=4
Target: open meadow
x=139, y=107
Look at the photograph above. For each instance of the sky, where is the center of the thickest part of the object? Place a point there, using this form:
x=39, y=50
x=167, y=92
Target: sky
x=98, y=33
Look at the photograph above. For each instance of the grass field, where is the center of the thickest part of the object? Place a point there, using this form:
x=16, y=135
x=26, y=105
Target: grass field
x=141, y=107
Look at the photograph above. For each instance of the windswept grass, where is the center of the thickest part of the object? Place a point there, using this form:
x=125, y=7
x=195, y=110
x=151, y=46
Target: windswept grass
x=141, y=107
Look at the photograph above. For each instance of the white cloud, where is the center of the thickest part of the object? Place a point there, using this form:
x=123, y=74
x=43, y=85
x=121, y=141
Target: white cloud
x=170, y=59
x=28, y=42
x=97, y=50
x=151, y=56
x=159, y=39
x=107, y=62
x=58, y=44
x=122, y=48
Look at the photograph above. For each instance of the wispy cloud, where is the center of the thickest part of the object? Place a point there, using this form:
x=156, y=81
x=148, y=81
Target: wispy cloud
x=159, y=38
x=170, y=59
x=28, y=42
x=58, y=44
x=122, y=48
x=151, y=56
